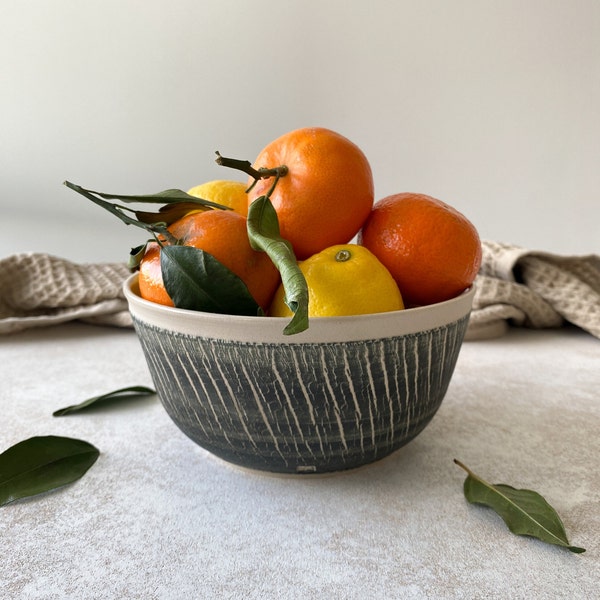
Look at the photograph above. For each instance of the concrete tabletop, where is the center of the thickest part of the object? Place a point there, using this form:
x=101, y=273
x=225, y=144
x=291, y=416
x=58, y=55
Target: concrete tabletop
x=157, y=517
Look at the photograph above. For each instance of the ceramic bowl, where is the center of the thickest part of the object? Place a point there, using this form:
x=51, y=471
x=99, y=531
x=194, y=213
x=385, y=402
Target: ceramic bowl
x=344, y=393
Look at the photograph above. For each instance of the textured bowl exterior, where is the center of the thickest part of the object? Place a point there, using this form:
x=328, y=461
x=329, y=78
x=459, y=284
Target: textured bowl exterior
x=310, y=407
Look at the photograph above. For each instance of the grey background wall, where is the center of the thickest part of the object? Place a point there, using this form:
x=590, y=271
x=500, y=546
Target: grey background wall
x=491, y=106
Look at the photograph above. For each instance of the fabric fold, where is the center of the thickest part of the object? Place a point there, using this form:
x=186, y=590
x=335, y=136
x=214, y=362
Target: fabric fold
x=521, y=287
x=515, y=287
x=38, y=289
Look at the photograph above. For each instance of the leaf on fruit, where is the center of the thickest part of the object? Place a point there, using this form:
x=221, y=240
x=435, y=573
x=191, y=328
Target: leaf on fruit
x=41, y=464
x=171, y=196
x=196, y=280
x=176, y=203
x=136, y=255
x=525, y=512
x=264, y=235
x=170, y=213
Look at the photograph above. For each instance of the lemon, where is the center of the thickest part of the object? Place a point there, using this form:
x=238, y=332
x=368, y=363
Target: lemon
x=225, y=192
x=342, y=280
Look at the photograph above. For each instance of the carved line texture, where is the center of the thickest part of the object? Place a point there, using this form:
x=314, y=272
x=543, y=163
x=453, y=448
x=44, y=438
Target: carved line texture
x=302, y=408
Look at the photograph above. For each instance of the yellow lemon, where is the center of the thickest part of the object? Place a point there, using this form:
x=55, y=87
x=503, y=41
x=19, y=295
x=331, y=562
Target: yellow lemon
x=225, y=192
x=345, y=279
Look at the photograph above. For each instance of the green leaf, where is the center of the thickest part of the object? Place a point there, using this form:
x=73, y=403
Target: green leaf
x=263, y=233
x=41, y=464
x=136, y=255
x=196, y=280
x=525, y=512
x=165, y=197
x=145, y=220
x=129, y=393
x=170, y=213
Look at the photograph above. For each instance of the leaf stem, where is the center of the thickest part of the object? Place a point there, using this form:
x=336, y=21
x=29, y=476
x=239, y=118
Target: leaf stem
x=246, y=167
x=464, y=467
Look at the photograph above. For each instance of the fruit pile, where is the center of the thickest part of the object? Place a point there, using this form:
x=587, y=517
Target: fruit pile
x=280, y=243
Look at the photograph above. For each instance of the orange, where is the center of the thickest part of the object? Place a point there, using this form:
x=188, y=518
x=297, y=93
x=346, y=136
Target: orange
x=345, y=279
x=432, y=250
x=223, y=234
x=327, y=193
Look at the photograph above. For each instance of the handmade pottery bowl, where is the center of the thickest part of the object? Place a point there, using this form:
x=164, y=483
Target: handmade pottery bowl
x=344, y=393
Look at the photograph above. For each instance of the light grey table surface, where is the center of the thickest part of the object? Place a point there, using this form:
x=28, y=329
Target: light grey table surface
x=157, y=517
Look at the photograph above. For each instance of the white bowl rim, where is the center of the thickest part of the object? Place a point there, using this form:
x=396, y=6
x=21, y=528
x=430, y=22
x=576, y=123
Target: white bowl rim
x=270, y=329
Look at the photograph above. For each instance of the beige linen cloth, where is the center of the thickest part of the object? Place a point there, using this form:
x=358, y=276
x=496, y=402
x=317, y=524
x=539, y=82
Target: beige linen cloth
x=534, y=289
x=515, y=286
x=40, y=289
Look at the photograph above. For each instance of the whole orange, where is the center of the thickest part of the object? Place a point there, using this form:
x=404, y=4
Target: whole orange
x=432, y=250
x=223, y=234
x=327, y=193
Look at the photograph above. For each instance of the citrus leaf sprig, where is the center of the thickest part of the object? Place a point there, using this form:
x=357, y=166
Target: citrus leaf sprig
x=525, y=512
x=176, y=203
x=263, y=232
x=264, y=235
x=194, y=279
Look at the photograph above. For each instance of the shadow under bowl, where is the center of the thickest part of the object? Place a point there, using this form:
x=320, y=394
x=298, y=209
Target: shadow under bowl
x=344, y=393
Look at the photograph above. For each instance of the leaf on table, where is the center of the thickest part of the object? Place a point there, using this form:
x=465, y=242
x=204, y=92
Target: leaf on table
x=196, y=280
x=525, y=512
x=129, y=393
x=41, y=464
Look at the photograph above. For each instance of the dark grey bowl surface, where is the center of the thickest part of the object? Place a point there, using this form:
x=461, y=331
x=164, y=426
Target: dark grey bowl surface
x=299, y=406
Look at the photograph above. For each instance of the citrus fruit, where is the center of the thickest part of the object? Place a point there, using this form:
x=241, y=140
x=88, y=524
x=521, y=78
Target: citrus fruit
x=345, y=279
x=225, y=192
x=221, y=233
x=326, y=194
x=432, y=250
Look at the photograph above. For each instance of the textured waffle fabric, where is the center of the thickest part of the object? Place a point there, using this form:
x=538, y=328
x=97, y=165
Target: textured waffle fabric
x=515, y=286
x=534, y=289
x=40, y=289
